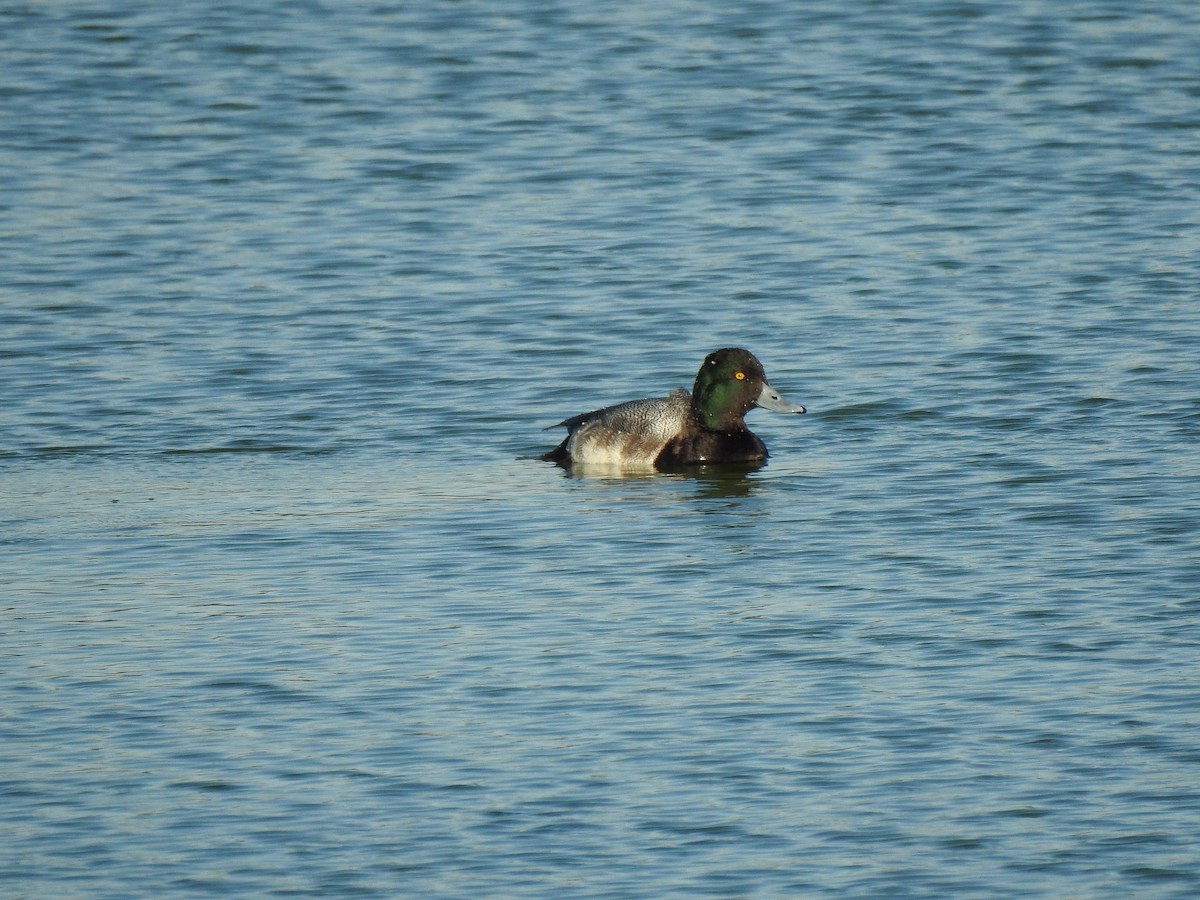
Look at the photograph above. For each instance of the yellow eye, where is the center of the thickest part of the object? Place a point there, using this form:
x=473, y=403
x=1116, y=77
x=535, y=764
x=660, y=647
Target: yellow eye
x=740, y=376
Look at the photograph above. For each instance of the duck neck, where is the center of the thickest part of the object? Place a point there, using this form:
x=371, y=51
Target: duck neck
x=717, y=408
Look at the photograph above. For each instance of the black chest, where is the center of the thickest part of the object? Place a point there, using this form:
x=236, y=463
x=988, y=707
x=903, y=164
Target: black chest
x=713, y=447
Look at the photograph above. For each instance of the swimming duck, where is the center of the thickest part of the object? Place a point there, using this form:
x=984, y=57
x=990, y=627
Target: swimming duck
x=705, y=427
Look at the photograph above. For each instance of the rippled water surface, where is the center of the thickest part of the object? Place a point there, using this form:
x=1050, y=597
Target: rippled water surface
x=288, y=294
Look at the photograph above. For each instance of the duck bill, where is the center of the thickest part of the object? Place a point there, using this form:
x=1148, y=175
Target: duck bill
x=771, y=399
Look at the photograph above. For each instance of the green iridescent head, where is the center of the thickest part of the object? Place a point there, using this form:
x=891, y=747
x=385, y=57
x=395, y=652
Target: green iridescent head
x=729, y=384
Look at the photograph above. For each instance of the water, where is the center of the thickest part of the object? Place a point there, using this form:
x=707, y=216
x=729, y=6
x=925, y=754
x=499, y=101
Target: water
x=288, y=293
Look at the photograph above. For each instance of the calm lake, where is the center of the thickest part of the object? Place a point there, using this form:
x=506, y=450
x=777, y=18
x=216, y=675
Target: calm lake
x=289, y=293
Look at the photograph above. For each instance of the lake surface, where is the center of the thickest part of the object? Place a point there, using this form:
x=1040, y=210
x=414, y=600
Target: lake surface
x=288, y=294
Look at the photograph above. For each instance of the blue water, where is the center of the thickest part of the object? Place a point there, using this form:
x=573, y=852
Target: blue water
x=288, y=294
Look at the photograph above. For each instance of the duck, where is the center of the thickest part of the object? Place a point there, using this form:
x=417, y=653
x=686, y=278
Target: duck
x=704, y=427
